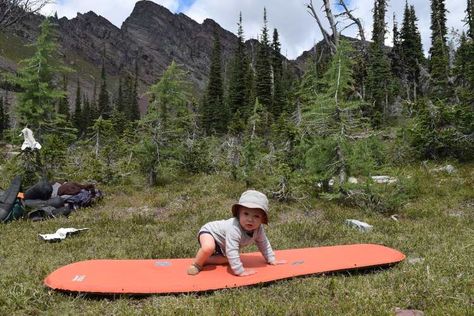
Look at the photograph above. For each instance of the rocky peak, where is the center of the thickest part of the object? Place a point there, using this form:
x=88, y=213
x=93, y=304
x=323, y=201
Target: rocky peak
x=148, y=40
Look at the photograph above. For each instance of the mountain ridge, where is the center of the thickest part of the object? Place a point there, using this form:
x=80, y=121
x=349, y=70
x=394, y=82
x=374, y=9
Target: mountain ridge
x=148, y=40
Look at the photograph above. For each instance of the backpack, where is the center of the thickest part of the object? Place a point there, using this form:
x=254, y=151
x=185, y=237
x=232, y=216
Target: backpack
x=17, y=211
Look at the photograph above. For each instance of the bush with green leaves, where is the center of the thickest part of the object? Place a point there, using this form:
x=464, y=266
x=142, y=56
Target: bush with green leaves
x=387, y=198
x=441, y=131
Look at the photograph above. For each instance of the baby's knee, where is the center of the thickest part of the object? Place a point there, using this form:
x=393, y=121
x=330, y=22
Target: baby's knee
x=208, y=249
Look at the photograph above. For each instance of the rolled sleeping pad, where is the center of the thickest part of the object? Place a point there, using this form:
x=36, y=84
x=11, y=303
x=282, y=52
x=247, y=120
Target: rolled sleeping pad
x=9, y=197
x=55, y=202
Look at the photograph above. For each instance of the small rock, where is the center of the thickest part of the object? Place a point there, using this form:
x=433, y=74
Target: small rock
x=448, y=169
x=352, y=180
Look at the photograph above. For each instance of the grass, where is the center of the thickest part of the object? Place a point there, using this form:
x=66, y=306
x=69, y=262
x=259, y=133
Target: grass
x=435, y=231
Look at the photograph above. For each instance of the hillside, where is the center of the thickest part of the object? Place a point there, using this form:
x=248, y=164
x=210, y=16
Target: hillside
x=149, y=39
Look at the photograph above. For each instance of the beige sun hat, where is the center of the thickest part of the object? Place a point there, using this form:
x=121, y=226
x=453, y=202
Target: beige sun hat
x=252, y=199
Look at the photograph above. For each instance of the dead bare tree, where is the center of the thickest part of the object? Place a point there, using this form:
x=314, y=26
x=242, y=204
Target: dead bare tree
x=12, y=11
x=348, y=13
x=332, y=39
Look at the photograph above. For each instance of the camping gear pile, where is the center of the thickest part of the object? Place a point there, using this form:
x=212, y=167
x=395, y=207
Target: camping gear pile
x=45, y=200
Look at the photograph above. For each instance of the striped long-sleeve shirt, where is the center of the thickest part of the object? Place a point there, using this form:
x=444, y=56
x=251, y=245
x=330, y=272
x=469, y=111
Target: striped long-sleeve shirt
x=231, y=237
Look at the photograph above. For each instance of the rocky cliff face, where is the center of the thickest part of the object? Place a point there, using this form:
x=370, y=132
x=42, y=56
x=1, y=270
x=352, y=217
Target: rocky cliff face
x=149, y=39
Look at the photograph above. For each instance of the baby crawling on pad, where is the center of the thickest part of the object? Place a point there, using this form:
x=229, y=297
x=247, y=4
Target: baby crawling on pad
x=221, y=240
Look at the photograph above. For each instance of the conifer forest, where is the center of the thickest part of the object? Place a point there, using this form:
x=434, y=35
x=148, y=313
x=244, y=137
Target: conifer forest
x=359, y=106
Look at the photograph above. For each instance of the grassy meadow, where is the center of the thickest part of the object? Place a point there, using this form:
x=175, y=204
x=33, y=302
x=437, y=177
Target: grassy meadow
x=435, y=231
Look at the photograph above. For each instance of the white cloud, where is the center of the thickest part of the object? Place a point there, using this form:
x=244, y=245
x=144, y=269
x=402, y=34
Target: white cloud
x=116, y=11
x=297, y=29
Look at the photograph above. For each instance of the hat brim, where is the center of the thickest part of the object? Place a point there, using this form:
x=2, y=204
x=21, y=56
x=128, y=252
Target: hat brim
x=235, y=210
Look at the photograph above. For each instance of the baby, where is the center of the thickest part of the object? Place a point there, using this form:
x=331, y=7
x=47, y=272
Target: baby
x=221, y=240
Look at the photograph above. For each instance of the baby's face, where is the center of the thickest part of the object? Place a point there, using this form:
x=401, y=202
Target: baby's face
x=250, y=218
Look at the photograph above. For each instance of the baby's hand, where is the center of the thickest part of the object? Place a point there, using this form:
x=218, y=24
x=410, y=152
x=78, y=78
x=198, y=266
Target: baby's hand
x=277, y=262
x=248, y=272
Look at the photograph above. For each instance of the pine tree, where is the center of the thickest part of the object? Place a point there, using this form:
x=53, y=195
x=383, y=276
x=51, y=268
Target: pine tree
x=470, y=18
x=2, y=118
x=6, y=116
x=464, y=74
x=86, y=115
x=379, y=72
x=238, y=98
x=396, y=53
x=166, y=121
x=278, y=102
x=103, y=103
x=329, y=119
x=63, y=104
x=215, y=114
x=120, y=102
x=412, y=52
x=263, y=79
x=77, y=118
x=130, y=96
x=35, y=106
x=439, y=59
x=93, y=109
x=250, y=88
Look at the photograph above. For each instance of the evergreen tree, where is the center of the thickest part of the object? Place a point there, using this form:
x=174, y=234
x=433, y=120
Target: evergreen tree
x=86, y=115
x=329, y=119
x=35, y=104
x=215, y=114
x=263, y=78
x=77, y=118
x=166, y=122
x=120, y=102
x=439, y=59
x=63, y=106
x=470, y=18
x=133, y=98
x=94, y=111
x=238, y=98
x=278, y=102
x=6, y=113
x=396, y=53
x=379, y=72
x=2, y=118
x=412, y=52
x=250, y=87
x=130, y=96
x=103, y=103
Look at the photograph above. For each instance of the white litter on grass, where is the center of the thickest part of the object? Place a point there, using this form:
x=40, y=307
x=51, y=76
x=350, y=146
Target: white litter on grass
x=61, y=233
x=384, y=179
x=362, y=226
x=29, y=141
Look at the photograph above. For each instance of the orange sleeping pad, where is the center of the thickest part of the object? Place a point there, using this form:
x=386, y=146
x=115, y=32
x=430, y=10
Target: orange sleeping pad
x=169, y=275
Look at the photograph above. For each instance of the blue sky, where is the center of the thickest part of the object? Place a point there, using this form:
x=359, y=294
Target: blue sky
x=184, y=5
x=297, y=29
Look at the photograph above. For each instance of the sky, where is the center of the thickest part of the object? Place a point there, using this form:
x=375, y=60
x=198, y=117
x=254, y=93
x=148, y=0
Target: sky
x=297, y=30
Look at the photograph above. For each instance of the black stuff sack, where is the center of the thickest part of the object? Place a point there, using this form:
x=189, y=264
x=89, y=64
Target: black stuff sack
x=42, y=190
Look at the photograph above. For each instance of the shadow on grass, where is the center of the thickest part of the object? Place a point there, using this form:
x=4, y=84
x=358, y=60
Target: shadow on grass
x=346, y=272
